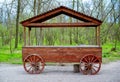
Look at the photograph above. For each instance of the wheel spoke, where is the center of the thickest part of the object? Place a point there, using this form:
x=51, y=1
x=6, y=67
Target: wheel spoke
x=95, y=66
x=29, y=60
x=92, y=58
x=86, y=60
x=95, y=60
x=37, y=60
x=86, y=70
x=89, y=59
x=94, y=69
x=32, y=70
x=34, y=58
x=83, y=64
x=29, y=68
x=28, y=65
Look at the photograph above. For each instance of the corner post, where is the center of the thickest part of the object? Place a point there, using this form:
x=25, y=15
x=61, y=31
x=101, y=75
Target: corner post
x=24, y=35
x=29, y=29
x=98, y=35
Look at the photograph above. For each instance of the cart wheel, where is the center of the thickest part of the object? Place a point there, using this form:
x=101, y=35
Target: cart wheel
x=90, y=64
x=33, y=64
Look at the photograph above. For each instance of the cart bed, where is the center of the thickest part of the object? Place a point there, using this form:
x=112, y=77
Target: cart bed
x=65, y=54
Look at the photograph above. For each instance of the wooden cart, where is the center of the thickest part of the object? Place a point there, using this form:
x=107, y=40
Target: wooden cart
x=89, y=57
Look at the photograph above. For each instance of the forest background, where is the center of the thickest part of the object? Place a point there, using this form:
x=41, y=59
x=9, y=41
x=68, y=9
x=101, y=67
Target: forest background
x=14, y=11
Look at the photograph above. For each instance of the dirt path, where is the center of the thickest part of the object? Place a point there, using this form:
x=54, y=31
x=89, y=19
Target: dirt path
x=15, y=73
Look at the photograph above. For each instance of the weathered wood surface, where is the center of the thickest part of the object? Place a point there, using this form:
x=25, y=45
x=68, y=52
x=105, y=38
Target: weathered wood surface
x=58, y=11
x=43, y=25
x=76, y=68
x=61, y=54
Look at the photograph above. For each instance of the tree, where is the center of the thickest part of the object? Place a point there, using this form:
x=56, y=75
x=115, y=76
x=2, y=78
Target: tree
x=17, y=22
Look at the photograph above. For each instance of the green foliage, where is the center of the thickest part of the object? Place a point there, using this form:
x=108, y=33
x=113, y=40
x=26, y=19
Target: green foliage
x=7, y=57
x=108, y=55
x=110, y=28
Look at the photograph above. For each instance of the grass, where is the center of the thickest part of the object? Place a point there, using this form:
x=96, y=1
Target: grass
x=13, y=58
x=108, y=55
x=16, y=56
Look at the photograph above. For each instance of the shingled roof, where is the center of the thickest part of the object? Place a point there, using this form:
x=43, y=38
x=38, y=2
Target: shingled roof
x=37, y=21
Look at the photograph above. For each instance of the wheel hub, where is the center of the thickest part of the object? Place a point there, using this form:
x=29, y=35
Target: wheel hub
x=33, y=64
x=90, y=65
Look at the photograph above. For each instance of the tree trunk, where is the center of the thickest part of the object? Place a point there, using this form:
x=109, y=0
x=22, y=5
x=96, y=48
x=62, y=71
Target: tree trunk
x=34, y=9
x=17, y=23
x=2, y=34
x=40, y=40
x=77, y=33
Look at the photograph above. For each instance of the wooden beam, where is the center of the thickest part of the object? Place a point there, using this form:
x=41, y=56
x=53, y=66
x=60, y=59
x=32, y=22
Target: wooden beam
x=24, y=35
x=29, y=36
x=43, y=25
x=98, y=35
x=58, y=11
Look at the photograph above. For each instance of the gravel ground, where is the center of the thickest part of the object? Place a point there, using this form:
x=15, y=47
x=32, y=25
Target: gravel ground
x=15, y=73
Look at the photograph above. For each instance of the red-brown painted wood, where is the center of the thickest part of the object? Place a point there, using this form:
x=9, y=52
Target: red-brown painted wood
x=90, y=64
x=62, y=54
x=58, y=11
x=33, y=64
x=44, y=25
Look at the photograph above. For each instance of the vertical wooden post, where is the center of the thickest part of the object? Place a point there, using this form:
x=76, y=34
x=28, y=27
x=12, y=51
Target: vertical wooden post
x=29, y=29
x=98, y=35
x=76, y=68
x=24, y=36
x=41, y=36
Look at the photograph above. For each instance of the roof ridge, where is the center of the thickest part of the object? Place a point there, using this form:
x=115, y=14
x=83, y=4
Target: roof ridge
x=62, y=9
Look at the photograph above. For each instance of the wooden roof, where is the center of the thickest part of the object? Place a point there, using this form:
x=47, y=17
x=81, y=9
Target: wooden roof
x=37, y=21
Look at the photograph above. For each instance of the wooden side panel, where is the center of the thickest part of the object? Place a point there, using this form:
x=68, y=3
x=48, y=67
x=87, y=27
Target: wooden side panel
x=62, y=54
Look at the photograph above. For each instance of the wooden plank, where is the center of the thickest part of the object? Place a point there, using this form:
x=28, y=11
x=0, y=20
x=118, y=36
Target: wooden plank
x=81, y=16
x=98, y=36
x=62, y=54
x=61, y=10
x=41, y=25
x=24, y=34
x=51, y=46
x=29, y=36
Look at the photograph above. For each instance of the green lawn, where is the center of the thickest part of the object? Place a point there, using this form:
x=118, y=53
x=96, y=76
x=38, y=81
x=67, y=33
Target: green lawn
x=108, y=55
x=16, y=56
